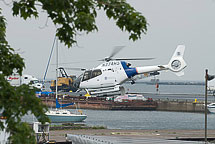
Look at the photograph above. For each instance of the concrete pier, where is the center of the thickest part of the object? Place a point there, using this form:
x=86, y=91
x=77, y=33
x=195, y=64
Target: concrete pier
x=180, y=106
x=139, y=136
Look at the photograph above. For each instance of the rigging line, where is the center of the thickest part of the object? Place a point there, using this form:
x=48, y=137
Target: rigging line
x=49, y=61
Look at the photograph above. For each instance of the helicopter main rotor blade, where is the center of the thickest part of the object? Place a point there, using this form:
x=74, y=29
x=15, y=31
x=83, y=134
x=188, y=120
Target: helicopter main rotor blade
x=118, y=49
x=75, y=62
x=115, y=51
x=76, y=69
x=133, y=58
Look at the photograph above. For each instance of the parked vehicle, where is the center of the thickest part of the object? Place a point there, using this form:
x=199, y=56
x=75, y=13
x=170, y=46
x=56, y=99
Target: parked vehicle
x=65, y=82
x=17, y=80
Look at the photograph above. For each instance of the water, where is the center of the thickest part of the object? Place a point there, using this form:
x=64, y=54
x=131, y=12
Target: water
x=144, y=119
x=148, y=119
x=152, y=119
x=182, y=89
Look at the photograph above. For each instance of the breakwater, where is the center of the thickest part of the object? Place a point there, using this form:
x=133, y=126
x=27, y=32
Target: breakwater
x=180, y=106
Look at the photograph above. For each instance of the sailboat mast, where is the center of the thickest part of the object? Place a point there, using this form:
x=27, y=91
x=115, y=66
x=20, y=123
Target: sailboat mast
x=56, y=69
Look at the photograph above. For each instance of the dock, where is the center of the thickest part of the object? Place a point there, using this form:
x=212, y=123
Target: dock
x=108, y=136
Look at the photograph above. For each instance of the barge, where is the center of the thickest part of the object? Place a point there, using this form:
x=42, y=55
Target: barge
x=102, y=103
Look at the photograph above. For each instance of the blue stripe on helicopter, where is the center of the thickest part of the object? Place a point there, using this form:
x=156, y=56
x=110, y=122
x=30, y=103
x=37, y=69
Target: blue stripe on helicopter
x=130, y=72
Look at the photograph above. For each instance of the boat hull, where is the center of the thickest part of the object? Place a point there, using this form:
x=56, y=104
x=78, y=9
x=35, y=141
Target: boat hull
x=62, y=119
x=211, y=110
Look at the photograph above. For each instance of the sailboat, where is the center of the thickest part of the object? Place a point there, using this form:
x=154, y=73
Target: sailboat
x=60, y=115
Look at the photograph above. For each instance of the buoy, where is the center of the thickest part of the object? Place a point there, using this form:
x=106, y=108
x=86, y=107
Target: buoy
x=195, y=101
x=157, y=87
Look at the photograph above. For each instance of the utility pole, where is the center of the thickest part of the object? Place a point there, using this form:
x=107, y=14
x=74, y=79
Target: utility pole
x=207, y=78
x=206, y=109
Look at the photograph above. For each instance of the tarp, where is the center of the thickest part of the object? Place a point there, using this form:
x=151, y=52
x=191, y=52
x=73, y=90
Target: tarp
x=58, y=105
x=39, y=93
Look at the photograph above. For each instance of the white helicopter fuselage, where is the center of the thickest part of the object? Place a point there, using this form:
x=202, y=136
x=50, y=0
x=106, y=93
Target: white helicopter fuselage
x=112, y=73
x=115, y=73
x=108, y=76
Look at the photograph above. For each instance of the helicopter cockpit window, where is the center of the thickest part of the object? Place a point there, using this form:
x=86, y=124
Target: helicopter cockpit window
x=87, y=75
x=77, y=81
x=96, y=73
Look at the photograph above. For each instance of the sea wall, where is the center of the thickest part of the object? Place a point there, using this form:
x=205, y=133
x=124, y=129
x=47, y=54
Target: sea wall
x=180, y=106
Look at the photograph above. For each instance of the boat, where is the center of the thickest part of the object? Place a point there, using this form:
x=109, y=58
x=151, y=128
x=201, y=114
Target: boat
x=63, y=115
x=211, y=108
x=129, y=97
x=60, y=115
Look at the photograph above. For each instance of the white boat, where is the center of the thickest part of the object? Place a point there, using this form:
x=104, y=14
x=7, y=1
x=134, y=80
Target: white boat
x=211, y=107
x=130, y=97
x=60, y=115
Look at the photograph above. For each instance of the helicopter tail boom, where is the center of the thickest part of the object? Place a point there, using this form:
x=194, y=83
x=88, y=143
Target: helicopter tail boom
x=176, y=63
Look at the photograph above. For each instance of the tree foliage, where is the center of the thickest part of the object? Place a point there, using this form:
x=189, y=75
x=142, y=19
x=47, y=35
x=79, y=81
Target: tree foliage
x=16, y=102
x=70, y=17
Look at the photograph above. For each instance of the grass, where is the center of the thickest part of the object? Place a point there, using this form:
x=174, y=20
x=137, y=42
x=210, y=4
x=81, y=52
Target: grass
x=74, y=127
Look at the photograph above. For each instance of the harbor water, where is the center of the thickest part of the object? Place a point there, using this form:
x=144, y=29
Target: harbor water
x=144, y=119
x=153, y=119
x=149, y=119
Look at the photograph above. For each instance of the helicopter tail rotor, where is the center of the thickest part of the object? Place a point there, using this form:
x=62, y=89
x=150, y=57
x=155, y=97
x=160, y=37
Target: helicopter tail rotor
x=177, y=63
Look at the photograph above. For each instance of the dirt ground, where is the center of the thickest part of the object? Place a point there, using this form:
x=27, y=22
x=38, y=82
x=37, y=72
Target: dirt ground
x=59, y=135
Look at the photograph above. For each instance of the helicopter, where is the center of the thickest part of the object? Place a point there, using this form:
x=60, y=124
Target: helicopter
x=113, y=72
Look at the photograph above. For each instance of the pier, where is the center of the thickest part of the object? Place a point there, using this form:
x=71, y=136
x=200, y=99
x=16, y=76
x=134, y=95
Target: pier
x=136, y=136
x=180, y=106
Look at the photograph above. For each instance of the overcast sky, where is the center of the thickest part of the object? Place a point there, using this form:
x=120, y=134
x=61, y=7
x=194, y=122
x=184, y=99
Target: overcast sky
x=171, y=22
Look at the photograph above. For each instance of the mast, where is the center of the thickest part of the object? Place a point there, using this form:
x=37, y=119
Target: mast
x=47, y=67
x=56, y=70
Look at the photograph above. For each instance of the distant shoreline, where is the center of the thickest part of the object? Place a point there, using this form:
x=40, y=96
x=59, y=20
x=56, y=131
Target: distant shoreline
x=162, y=82
x=169, y=83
